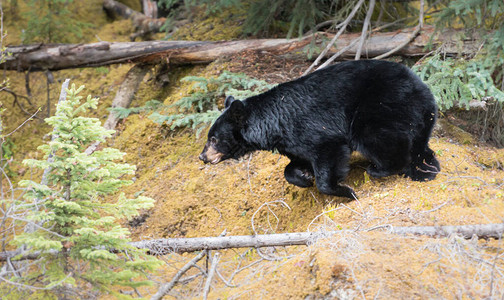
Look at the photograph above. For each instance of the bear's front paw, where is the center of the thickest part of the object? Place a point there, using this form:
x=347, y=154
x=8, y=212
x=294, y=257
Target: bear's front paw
x=345, y=191
x=337, y=190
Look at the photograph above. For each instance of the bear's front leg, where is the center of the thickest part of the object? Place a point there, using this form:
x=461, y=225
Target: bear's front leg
x=330, y=169
x=300, y=173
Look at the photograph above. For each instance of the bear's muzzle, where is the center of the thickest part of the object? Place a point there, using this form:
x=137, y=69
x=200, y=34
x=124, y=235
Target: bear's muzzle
x=210, y=155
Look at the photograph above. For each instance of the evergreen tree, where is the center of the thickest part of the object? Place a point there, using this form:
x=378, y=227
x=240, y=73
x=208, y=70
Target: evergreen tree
x=50, y=21
x=69, y=213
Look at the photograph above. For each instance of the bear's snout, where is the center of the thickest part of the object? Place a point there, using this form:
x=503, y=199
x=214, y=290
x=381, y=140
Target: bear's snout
x=210, y=155
x=203, y=157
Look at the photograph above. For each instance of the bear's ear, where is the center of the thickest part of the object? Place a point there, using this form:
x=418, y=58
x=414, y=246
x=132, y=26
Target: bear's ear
x=237, y=112
x=228, y=101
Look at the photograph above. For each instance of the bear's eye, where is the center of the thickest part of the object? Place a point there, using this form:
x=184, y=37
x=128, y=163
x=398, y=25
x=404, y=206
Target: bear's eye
x=213, y=140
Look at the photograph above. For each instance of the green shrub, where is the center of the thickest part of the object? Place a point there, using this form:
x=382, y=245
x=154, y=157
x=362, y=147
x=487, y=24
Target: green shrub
x=200, y=107
x=456, y=82
x=50, y=21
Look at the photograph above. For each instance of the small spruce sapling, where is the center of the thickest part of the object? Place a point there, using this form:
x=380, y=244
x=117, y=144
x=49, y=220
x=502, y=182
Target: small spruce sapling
x=70, y=214
x=200, y=107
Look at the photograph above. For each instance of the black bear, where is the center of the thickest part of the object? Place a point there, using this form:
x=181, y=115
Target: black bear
x=378, y=108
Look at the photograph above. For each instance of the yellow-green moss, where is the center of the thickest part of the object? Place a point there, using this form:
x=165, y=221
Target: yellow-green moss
x=133, y=4
x=218, y=27
x=456, y=133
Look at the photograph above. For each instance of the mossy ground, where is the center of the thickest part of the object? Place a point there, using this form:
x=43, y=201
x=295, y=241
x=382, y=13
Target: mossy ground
x=204, y=200
x=193, y=200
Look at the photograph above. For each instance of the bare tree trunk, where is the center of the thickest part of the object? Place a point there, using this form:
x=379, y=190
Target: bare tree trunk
x=58, y=57
x=150, y=8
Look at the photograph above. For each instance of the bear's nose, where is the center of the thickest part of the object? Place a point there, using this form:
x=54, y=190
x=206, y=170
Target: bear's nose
x=202, y=158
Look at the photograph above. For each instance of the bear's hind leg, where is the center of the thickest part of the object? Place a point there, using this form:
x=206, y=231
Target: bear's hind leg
x=330, y=169
x=300, y=173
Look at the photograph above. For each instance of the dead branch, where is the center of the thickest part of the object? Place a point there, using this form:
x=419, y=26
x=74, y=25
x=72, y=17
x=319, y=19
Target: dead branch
x=16, y=100
x=127, y=91
x=335, y=38
x=54, y=136
x=413, y=35
x=182, y=245
x=365, y=28
x=211, y=273
x=166, y=288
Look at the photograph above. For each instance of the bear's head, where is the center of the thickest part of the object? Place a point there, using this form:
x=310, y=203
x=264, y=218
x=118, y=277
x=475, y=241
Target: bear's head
x=224, y=138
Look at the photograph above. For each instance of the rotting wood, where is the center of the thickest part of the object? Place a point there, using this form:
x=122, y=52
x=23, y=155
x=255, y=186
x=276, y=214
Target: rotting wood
x=126, y=91
x=182, y=245
x=150, y=8
x=59, y=57
x=143, y=23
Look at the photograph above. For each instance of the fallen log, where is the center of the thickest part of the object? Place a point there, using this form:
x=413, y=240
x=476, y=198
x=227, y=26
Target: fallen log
x=58, y=57
x=182, y=245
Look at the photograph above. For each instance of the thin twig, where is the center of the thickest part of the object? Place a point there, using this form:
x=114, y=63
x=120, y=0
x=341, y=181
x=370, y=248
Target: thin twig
x=166, y=288
x=492, y=275
x=211, y=273
x=333, y=40
x=435, y=208
x=320, y=25
x=16, y=100
x=365, y=29
x=189, y=278
x=338, y=54
x=48, y=83
x=243, y=268
x=31, y=117
x=412, y=37
x=260, y=207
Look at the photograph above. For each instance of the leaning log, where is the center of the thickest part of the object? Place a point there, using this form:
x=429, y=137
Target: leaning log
x=58, y=57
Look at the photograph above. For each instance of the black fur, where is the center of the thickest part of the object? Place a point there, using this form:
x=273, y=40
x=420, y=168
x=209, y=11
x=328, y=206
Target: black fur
x=381, y=109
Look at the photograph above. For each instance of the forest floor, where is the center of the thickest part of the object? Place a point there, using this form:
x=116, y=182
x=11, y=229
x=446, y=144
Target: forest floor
x=250, y=196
